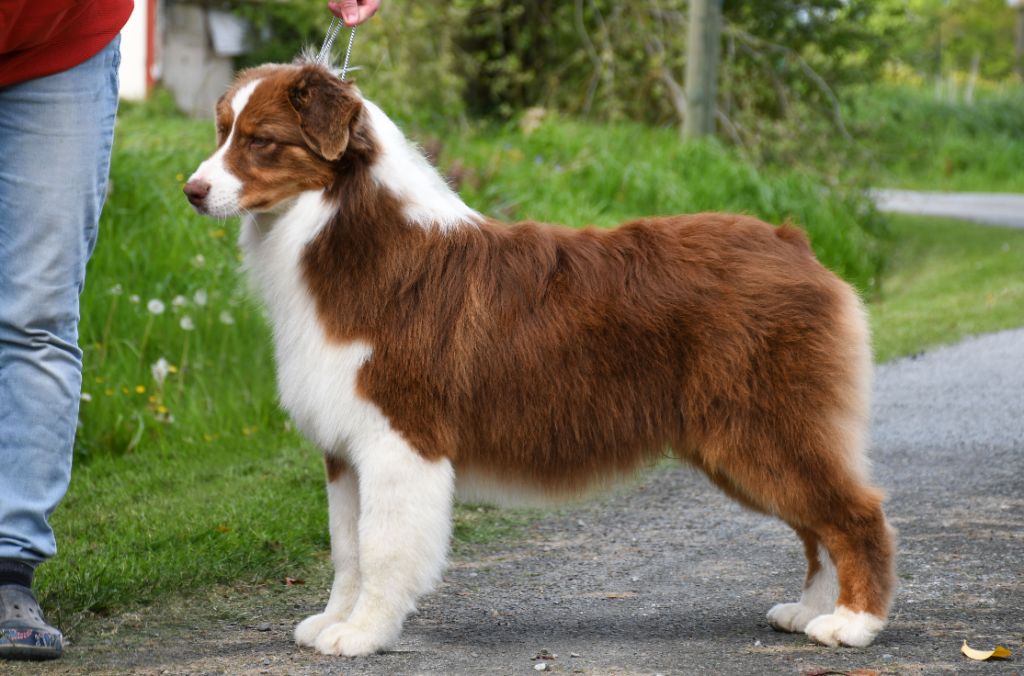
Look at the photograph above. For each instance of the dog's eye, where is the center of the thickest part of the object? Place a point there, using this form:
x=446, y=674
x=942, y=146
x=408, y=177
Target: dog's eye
x=259, y=142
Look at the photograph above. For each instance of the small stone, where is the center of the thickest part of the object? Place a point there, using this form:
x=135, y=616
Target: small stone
x=265, y=626
x=266, y=662
x=540, y=666
x=574, y=654
x=757, y=643
x=635, y=578
x=888, y=658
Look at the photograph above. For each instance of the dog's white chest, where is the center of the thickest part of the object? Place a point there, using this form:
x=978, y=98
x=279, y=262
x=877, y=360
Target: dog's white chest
x=316, y=377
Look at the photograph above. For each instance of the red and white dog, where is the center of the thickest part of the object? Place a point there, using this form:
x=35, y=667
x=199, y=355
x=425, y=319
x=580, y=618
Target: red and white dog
x=428, y=349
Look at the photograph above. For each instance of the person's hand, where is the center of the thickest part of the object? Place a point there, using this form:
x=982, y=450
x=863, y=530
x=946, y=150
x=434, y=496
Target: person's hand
x=353, y=12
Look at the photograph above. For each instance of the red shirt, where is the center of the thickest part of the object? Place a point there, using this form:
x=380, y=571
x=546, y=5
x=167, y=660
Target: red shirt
x=42, y=37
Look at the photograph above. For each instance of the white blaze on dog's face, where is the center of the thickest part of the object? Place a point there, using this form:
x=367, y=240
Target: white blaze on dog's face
x=280, y=132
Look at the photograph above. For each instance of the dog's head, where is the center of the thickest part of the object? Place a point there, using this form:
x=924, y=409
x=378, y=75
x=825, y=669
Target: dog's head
x=281, y=130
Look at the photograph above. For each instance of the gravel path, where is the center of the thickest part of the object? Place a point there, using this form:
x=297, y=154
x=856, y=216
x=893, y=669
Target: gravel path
x=981, y=207
x=668, y=576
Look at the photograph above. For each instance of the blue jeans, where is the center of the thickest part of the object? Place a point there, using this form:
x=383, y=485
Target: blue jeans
x=55, y=138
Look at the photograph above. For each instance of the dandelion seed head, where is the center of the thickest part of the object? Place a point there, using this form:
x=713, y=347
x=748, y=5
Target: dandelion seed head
x=186, y=323
x=179, y=301
x=200, y=297
x=156, y=306
x=226, y=318
x=134, y=298
x=160, y=369
x=116, y=290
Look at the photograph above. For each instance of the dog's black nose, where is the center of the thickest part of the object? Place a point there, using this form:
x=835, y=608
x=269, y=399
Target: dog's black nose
x=196, y=191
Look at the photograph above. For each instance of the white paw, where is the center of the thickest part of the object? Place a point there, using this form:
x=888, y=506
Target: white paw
x=310, y=628
x=343, y=638
x=792, y=616
x=845, y=627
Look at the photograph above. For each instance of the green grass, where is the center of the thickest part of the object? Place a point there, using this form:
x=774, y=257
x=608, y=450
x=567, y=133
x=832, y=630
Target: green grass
x=199, y=479
x=916, y=139
x=948, y=280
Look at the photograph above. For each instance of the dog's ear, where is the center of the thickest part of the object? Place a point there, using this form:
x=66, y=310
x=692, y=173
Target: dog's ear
x=326, y=108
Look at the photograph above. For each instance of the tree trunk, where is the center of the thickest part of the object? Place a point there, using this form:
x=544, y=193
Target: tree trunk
x=702, y=55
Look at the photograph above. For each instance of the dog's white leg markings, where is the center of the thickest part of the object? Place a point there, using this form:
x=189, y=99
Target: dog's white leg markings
x=343, y=519
x=405, y=506
x=817, y=598
x=845, y=627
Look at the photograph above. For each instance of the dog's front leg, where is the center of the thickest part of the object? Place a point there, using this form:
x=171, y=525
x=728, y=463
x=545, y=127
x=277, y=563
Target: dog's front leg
x=343, y=519
x=405, y=504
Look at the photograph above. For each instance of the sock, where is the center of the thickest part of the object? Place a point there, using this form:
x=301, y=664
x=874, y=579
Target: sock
x=14, y=571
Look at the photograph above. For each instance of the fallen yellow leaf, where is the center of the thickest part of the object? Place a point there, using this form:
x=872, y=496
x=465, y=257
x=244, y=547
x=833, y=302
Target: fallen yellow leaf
x=999, y=653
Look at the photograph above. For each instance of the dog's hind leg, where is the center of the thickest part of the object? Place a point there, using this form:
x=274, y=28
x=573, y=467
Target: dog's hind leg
x=343, y=518
x=811, y=476
x=860, y=543
x=405, y=504
x=820, y=589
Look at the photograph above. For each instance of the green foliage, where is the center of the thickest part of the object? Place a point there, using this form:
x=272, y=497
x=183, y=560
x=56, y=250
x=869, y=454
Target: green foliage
x=404, y=54
x=912, y=138
x=613, y=59
x=936, y=37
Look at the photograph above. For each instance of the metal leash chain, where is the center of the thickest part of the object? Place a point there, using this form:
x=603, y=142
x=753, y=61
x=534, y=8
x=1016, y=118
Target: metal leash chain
x=332, y=35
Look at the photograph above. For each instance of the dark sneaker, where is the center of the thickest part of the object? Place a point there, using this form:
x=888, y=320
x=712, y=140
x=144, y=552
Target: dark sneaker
x=24, y=634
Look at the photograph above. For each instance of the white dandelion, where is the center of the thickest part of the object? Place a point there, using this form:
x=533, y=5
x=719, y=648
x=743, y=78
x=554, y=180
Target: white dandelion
x=160, y=370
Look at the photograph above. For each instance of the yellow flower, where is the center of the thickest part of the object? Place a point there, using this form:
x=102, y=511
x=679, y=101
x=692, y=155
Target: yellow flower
x=99, y=379
x=109, y=392
x=179, y=177
x=161, y=409
x=172, y=369
x=218, y=233
x=140, y=389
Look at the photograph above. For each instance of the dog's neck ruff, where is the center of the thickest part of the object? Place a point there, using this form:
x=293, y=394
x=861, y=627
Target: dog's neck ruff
x=402, y=169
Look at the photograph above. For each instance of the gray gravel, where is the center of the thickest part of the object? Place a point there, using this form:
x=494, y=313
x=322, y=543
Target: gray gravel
x=1004, y=209
x=668, y=576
